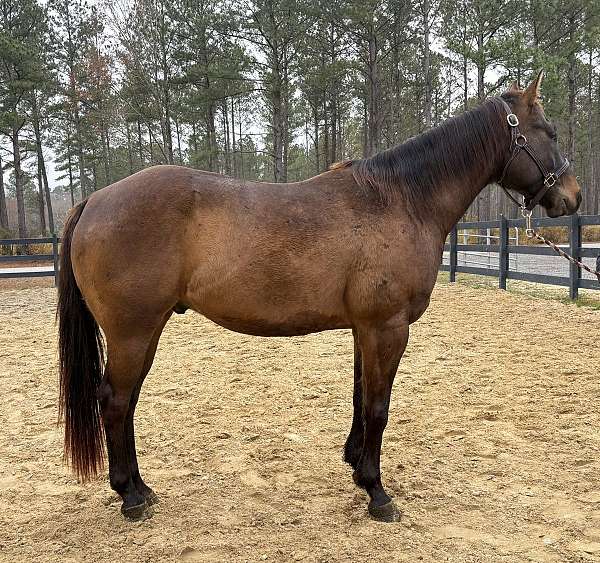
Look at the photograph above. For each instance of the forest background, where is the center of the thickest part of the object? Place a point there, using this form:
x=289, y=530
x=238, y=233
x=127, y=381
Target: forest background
x=273, y=90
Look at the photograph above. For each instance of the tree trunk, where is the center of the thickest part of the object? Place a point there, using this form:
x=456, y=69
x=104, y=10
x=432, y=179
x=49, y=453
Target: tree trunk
x=326, y=134
x=572, y=90
x=151, y=145
x=374, y=124
x=365, y=127
x=465, y=73
x=334, y=127
x=286, y=116
x=178, y=134
x=481, y=66
x=596, y=156
x=140, y=144
x=426, y=63
x=3, y=208
x=106, y=150
x=40, y=201
x=243, y=174
x=78, y=136
x=70, y=163
x=42, y=173
x=80, y=157
x=316, y=138
x=18, y=181
x=166, y=128
x=211, y=138
x=194, y=139
x=591, y=180
x=94, y=176
x=334, y=98
x=233, y=146
x=129, y=149
x=226, y=138
x=278, y=131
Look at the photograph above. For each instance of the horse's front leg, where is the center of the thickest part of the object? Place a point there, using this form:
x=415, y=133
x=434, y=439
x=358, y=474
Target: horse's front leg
x=356, y=438
x=381, y=347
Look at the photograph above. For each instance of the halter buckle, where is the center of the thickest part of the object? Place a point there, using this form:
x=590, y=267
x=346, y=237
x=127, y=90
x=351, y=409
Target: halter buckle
x=512, y=119
x=550, y=180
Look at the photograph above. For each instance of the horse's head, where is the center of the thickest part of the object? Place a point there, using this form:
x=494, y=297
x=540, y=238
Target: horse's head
x=535, y=167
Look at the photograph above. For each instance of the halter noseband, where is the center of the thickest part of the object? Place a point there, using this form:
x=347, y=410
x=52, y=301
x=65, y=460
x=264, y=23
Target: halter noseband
x=519, y=143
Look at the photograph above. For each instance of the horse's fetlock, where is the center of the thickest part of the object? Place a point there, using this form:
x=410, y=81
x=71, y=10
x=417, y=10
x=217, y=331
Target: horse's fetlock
x=118, y=483
x=366, y=477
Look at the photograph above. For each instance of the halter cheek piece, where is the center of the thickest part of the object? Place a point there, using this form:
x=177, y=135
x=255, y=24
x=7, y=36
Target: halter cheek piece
x=519, y=143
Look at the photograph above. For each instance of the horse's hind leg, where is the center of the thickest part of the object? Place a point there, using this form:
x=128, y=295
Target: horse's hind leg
x=126, y=357
x=354, y=443
x=150, y=496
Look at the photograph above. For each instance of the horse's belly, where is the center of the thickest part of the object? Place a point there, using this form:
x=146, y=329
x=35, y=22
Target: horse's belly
x=251, y=302
x=296, y=326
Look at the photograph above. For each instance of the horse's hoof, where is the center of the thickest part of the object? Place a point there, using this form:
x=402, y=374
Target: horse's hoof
x=385, y=513
x=152, y=498
x=137, y=512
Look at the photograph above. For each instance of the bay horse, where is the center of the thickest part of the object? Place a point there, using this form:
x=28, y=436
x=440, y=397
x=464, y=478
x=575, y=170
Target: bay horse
x=357, y=247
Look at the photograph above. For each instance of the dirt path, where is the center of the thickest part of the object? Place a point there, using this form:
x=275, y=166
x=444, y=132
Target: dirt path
x=491, y=450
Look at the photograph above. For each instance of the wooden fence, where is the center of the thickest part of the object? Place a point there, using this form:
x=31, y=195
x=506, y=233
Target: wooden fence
x=573, y=223
x=35, y=272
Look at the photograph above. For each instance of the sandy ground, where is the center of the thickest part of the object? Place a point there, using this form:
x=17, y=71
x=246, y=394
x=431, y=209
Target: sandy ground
x=491, y=450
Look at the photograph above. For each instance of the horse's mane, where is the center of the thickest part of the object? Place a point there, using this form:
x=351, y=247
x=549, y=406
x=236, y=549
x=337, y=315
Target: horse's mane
x=460, y=147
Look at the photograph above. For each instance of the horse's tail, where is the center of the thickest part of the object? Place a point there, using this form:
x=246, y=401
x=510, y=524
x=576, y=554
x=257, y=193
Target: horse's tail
x=81, y=358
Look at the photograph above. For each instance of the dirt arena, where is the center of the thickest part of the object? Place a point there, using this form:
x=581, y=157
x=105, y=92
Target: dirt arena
x=491, y=450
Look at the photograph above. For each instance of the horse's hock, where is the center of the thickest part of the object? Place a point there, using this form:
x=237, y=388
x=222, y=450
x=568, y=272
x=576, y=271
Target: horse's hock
x=491, y=447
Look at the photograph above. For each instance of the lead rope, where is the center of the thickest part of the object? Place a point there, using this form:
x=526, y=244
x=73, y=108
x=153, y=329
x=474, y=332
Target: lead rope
x=532, y=233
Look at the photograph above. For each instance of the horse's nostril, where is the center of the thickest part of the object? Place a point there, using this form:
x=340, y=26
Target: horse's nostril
x=579, y=198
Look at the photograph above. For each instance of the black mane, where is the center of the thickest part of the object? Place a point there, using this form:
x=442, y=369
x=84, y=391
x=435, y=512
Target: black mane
x=458, y=148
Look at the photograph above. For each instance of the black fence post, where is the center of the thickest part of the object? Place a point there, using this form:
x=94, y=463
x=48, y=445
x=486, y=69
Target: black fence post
x=55, y=257
x=503, y=253
x=453, y=253
x=574, y=250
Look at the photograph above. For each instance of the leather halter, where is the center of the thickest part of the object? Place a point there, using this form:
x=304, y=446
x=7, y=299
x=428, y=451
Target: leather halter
x=519, y=143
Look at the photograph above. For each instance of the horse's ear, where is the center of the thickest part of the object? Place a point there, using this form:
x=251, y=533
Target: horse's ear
x=532, y=93
x=514, y=87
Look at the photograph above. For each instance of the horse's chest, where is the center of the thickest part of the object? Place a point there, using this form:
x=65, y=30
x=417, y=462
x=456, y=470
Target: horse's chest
x=386, y=289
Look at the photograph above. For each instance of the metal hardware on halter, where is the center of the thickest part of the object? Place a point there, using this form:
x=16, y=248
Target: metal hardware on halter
x=552, y=176
x=527, y=215
x=512, y=119
x=523, y=139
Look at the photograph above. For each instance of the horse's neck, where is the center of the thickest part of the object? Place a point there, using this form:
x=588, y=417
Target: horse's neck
x=457, y=198
x=457, y=194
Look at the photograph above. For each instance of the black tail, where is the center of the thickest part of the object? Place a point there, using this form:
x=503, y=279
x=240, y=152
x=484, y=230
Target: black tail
x=81, y=358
